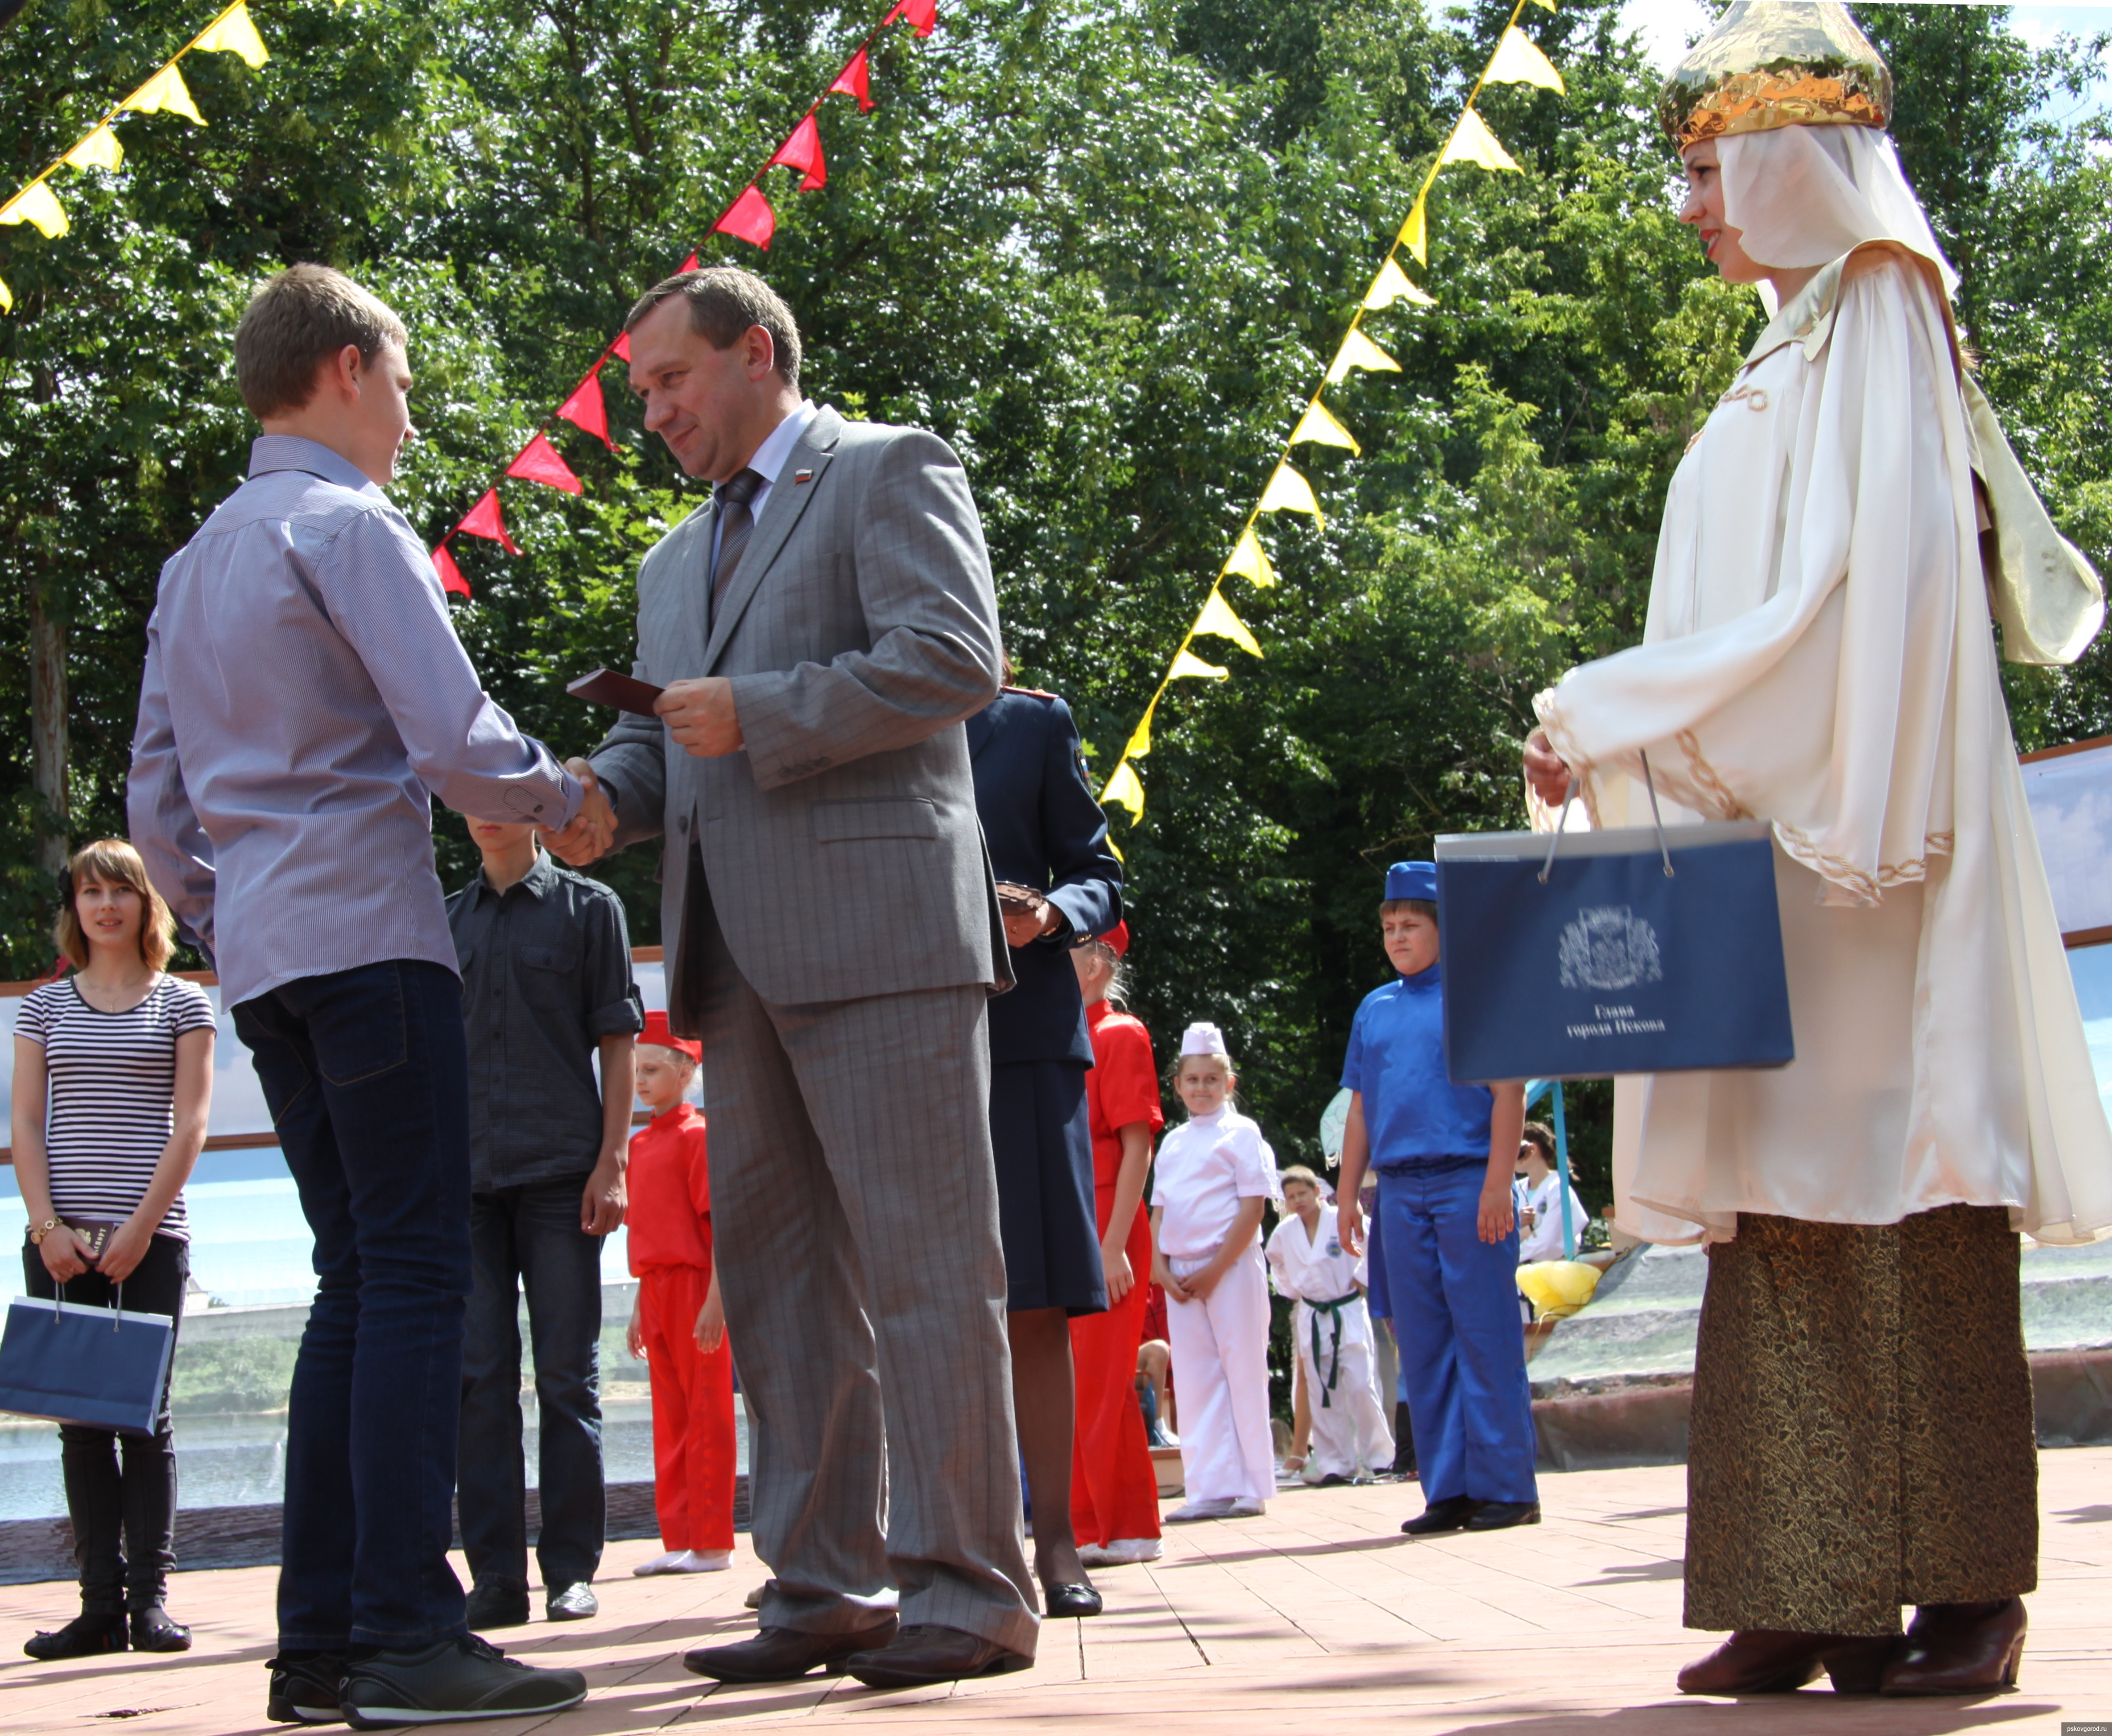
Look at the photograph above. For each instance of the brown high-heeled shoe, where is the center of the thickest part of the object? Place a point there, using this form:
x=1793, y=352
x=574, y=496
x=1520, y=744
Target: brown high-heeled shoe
x=1960, y=1648
x=1761, y=1661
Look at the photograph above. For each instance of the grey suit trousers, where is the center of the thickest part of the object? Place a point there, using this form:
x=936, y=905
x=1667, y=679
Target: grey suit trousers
x=867, y=1309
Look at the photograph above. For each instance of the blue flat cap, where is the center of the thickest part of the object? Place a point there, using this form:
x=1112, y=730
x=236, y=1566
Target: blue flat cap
x=1412, y=880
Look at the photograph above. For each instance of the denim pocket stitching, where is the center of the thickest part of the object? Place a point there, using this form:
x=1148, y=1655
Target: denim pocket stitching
x=402, y=1046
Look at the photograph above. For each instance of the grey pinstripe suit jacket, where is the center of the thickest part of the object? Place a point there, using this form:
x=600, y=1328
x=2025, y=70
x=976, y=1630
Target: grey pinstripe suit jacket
x=841, y=849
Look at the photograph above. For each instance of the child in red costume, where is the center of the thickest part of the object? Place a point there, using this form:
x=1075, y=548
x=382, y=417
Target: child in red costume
x=678, y=1323
x=1114, y=1502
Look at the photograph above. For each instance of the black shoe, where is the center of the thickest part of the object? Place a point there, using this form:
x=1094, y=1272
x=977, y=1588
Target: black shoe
x=305, y=1689
x=785, y=1654
x=573, y=1602
x=453, y=1680
x=1441, y=1517
x=1060, y=1601
x=152, y=1631
x=1500, y=1515
x=1332, y=1480
x=923, y=1656
x=496, y=1601
x=85, y=1636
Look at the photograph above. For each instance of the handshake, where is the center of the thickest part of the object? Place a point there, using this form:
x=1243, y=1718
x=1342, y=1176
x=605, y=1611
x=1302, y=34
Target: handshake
x=592, y=832
x=701, y=718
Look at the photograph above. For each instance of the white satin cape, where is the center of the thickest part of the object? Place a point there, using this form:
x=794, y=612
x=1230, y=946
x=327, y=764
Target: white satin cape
x=1818, y=653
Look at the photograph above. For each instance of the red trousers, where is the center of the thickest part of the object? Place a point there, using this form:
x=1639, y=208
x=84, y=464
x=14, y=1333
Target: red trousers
x=694, y=1447
x=1114, y=1492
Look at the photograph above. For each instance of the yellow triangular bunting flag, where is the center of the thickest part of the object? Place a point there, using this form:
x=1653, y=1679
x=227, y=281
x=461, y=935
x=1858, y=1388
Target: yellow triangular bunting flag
x=1358, y=351
x=1415, y=235
x=1250, y=560
x=165, y=91
x=1124, y=791
x=1289, y=492
x=1219, y=620
x=7, y=298
x=36, y=204
x=99, y=150
x=235, y=34
x=1549, y=4
x=1318, y=426
x=1140, y=740
x=1188, y=663
x=1472, y=141
x=1517, y=62
x=1392, y=286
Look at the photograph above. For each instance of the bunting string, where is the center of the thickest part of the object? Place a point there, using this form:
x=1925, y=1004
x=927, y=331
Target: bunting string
x=232, y=32
x=749, y=218
x=1516, y=60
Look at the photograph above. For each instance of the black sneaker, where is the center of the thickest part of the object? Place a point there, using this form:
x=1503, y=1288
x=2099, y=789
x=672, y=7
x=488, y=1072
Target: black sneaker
x=453, y=1680
x=305, y=1689
x=496, y=1601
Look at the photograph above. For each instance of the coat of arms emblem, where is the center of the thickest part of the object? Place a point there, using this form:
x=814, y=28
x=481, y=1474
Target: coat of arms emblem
x=1609, y=946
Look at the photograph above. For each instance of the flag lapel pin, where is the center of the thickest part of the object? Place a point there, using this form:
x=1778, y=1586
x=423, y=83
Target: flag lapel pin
x=802, y=475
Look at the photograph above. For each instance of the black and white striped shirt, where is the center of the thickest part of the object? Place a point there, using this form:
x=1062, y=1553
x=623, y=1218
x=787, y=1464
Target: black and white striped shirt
x=111, y=1094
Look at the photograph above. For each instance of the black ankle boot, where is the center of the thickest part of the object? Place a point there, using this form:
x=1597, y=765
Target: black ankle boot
x=152, y=1631
x=89, y=1634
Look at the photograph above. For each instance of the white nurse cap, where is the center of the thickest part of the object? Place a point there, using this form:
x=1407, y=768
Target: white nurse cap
x=1201, y=1039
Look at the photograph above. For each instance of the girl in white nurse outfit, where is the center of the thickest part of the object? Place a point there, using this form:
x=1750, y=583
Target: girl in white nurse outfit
x=1214, y=1176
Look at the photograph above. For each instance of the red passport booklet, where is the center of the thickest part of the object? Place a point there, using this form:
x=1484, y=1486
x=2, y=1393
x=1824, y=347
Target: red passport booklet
x=624, y=692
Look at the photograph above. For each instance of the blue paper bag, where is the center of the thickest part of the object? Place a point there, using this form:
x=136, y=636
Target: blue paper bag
x=102, y=1367
x=1628, y=951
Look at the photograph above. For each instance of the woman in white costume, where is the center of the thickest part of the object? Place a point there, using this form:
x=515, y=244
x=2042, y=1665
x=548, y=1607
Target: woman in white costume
x=1818, y=653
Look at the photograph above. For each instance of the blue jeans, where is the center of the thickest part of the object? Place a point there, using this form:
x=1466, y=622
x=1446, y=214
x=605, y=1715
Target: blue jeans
x=1456, y=1317
x=365, y=1071
x=530, y=1237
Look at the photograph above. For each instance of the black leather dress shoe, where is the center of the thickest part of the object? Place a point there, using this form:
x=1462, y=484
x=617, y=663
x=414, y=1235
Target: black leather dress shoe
x=85, y=1636
x=785, y=1654
x=923, y=1656
x=152, y=1631
x=573, y=1602
x=1441, y=1517
x=496, y=1601
x=1059, y=1601
x=1500, y=1515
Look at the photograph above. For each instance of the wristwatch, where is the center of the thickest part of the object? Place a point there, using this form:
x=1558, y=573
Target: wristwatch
x=43, y=1230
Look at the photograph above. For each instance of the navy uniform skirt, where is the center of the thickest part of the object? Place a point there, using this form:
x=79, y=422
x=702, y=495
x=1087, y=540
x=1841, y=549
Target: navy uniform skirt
x=1044, y=1147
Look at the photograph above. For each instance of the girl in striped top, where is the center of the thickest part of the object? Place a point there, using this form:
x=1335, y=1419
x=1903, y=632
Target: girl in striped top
x=113, y=1075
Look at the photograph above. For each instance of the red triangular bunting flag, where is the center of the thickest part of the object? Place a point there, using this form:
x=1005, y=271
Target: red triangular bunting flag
x=621, y=348
x=751, y=218
x=854, y=81
x=688, y=265
x=924, y=14
x=585, y=408
x=484, y=519
x=803, y=151
x=539, y=462
x=451, y=578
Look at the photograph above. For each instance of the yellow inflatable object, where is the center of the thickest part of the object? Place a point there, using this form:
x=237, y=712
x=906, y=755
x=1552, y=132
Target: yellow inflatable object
x=1557, y=1288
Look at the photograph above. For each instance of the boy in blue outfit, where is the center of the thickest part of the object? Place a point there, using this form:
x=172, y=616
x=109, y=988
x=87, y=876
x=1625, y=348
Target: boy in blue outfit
x=1444, y=1154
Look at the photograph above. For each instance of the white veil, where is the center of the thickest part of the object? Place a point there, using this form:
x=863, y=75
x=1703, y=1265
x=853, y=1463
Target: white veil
x=1806, y=195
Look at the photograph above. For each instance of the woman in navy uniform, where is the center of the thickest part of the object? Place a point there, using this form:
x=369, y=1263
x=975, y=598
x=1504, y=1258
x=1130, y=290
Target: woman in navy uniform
x=1060, y=885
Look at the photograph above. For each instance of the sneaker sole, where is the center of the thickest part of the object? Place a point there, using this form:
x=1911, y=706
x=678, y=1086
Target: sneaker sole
x=284, y=1711
x=389, y=1717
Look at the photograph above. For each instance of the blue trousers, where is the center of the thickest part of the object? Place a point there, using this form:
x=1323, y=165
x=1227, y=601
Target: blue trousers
x=1455, y=1317
x=366, y=1072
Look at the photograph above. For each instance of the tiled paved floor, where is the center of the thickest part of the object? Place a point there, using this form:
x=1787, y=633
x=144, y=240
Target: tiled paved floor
x=1318, y=1617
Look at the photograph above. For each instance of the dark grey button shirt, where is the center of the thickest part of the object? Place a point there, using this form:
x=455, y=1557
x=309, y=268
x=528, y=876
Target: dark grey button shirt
x=546, y=975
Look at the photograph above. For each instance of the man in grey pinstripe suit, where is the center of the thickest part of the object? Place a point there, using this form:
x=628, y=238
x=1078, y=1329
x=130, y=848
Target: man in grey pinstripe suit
x=821, y=629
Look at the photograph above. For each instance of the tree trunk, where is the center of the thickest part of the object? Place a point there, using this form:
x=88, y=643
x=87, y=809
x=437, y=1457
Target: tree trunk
x=48, y=733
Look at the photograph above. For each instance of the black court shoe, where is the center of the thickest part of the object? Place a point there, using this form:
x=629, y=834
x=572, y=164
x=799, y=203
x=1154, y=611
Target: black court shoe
x=85, y=1636
x=1441, y=1517
x=1060, y=1601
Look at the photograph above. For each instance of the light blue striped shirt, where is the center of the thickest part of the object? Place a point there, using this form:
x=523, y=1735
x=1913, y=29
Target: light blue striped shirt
x=304, y=691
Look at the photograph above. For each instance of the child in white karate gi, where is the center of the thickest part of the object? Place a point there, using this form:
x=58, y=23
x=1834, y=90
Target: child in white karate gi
x=1214, y=1176
x=1333, y=1333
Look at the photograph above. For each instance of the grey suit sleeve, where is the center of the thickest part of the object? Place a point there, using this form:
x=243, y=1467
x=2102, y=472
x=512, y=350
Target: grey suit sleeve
x=632, y=765
x=930, y=609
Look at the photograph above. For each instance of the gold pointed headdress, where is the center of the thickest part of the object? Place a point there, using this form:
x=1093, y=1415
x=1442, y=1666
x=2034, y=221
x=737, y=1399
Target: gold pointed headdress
x=1772, y=63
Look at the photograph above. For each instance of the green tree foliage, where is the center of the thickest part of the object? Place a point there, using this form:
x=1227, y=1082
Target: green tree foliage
x=1104, y=247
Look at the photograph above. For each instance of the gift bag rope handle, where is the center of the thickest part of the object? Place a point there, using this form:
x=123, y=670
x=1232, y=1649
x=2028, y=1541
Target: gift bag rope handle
x=116, y=1315
x=1561, y=819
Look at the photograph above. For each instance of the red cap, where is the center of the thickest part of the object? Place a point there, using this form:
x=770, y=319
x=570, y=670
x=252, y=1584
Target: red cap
x=1118, y=938
x=657, y=1033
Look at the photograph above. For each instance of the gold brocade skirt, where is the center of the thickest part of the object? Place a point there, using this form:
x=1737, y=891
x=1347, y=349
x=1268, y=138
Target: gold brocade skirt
x=1862, y=1435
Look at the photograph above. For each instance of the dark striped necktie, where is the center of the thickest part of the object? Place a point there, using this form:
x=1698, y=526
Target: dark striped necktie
x=735, y=523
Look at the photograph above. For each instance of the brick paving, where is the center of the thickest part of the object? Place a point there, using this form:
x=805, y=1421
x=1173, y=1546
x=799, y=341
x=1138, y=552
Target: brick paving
x=1319, y=1616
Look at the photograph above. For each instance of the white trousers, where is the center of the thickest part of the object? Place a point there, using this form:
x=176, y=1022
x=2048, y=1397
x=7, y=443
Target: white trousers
x=1220, y=1348
x=1350, y=1432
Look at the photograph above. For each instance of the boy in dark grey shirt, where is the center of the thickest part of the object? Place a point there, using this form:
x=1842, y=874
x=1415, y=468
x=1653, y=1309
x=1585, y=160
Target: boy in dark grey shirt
x=545, y=958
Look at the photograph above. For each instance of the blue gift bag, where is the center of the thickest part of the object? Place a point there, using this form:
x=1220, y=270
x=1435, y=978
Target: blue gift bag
x=1637, y=950
x=102, y=1367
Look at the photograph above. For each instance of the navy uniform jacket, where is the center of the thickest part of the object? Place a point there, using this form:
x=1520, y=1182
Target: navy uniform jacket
x=1044, y=831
